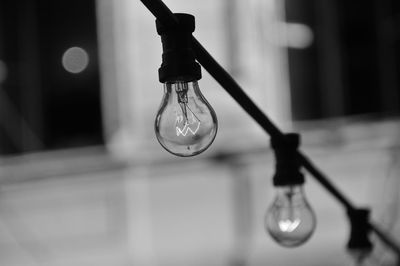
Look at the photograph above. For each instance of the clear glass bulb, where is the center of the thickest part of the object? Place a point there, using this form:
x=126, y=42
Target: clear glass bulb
x=290, y=220
x=185, y=124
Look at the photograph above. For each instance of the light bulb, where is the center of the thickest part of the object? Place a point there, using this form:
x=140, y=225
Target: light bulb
x=290, y=220
x=185, y=124
x=359, y=256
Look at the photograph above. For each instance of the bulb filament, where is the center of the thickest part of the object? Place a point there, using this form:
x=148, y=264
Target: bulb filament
x=288, y=225
x=189, y=118
x=186, y=128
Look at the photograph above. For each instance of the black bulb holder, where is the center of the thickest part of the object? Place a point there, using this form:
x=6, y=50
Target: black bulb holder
x=287, y=162
x=178, y=58
x=359, y=230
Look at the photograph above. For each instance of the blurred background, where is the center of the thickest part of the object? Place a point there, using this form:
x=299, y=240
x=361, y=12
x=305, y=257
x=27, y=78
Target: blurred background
x=83, y=180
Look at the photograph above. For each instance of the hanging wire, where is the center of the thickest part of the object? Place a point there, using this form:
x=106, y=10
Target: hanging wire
x=165, y=16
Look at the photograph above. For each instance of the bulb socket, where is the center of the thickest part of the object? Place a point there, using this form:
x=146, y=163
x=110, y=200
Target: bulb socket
x=178, y=58
x=287, y=167
x=359, y=230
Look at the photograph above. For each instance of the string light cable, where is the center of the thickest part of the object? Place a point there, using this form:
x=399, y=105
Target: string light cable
x=168, y=19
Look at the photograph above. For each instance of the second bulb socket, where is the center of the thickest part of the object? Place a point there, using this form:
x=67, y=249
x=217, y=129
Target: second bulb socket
x=287, y=163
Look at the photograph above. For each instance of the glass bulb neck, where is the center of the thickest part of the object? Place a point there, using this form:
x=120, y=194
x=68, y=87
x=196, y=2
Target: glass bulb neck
x=290, y=190
x=290, y=194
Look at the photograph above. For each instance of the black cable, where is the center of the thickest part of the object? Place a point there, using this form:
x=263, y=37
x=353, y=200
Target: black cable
x=165, y=16
x=324, y=181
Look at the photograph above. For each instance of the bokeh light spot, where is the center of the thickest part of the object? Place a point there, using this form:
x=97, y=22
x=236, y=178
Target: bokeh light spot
x=299, y=35
x=75, y=60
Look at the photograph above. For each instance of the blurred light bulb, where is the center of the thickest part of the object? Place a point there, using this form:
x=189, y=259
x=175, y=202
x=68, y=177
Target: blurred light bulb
x=359, y=256
x=185, y=124
x=290, y=219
